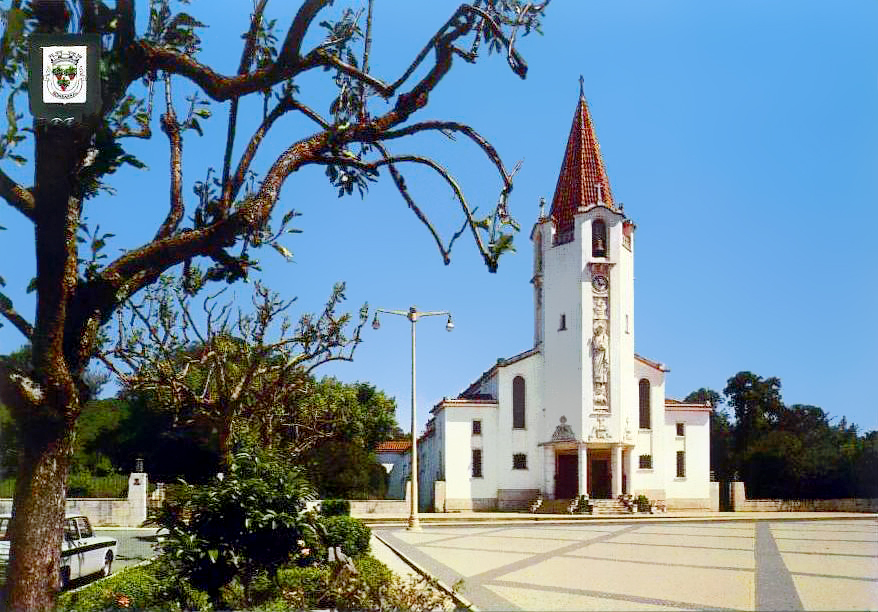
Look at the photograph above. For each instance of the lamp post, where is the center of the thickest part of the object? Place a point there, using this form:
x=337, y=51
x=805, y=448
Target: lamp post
x=412, y=314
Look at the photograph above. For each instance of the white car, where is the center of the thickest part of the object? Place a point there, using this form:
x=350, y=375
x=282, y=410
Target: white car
x=82, y=552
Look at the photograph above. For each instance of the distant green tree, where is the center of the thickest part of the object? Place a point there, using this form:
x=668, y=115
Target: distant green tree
x=866, y=466
x=757, y=406
x=345, y=464
x=722, y=461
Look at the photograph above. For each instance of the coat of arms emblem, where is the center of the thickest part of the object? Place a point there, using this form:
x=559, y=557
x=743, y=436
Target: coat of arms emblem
x=64, y=75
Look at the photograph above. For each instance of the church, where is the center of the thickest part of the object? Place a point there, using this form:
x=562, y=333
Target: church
x=579, y=413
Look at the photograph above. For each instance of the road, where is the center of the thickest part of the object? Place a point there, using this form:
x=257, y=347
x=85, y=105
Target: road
x=713, y=565
x=134, y=545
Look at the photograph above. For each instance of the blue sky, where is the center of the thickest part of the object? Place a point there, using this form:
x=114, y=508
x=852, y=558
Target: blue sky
x=742, y=138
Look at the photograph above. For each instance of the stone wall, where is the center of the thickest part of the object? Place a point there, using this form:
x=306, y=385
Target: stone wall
x=101, y=512
x=515, y=499
x=107, y=511
x=807, y=505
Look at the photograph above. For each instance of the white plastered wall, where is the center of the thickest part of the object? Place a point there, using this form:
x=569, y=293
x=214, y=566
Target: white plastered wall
x=459, y=441
x=695, y=442
x=653, y=441
x=511, y=441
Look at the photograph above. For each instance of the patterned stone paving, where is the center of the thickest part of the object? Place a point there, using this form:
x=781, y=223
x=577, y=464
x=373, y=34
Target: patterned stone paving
x=711, y=565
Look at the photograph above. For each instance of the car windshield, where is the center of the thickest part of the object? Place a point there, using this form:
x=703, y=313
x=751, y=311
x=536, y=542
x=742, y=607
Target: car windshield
x=4, y=525
x=84, y=527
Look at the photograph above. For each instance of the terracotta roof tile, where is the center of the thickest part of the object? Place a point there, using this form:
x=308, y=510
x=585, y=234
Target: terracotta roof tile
x=393, y=446
x=582, y=171
x=672, y=404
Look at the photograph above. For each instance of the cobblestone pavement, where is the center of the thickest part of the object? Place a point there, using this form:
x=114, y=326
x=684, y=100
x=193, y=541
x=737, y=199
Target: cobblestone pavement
x=710, y=565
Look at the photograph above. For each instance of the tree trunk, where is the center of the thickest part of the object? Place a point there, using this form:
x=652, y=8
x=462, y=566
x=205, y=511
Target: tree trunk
x=38, y=514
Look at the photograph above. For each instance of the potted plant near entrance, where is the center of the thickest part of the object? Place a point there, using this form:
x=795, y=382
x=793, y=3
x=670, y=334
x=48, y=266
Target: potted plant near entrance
x=643, y=503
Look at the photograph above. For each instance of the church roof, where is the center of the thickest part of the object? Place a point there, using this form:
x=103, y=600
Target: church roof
x=472, y=392
x=653, y=364
x=583, y=180
x=672, y=404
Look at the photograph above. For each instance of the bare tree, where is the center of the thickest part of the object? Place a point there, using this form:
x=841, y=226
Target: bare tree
x=235, y=371
x=78, y=294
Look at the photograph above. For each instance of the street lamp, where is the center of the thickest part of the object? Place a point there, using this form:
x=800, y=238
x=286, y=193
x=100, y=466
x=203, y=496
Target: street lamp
x=412, y=314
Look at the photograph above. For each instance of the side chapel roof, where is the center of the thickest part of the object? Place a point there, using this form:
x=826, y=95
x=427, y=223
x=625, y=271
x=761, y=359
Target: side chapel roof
x=582, y=171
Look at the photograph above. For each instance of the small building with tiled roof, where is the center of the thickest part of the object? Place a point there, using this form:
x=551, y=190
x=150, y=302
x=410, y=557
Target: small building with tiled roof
x=395, y=457
x=579, y=413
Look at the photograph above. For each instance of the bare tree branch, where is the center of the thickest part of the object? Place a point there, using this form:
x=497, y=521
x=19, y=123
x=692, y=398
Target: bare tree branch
x=243, y=68
x=11, y=315
x=292, y=45
x=453, y=126
x=391, y=162
x=285, y=105
x=18, y=197
x=171, y=127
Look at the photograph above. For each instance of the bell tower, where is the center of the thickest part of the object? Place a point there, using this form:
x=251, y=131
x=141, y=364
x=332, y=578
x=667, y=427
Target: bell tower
x=584, y=311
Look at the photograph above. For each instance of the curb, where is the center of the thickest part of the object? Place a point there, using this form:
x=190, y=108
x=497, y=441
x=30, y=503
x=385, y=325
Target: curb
x=459, y=599
x=550, y=519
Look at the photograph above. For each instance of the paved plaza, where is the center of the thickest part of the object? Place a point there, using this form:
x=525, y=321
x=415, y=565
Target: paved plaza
x=637, y=565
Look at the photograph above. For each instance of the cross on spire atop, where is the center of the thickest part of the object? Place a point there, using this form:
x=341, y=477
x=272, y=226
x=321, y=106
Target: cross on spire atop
x=583, y=180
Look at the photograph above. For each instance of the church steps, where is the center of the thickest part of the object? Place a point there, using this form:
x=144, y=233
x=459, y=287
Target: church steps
x=605, y=507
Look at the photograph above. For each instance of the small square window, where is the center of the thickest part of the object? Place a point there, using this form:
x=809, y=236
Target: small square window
x=477, y=463
x=645, y=462
x=477, y=428
x=519, y=461
x=681, y=429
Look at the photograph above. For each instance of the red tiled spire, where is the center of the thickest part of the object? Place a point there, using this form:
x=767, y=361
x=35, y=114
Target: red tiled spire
x=582, y=172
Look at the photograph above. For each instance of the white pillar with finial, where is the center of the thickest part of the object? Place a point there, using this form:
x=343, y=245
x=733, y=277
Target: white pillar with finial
x=138, y=486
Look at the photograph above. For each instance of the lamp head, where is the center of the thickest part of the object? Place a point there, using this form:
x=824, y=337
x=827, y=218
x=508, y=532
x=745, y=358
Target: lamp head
x=375, y=323
x=450, y=325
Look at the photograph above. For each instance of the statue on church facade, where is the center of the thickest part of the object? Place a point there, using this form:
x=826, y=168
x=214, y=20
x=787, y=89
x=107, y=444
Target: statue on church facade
x=599, y=346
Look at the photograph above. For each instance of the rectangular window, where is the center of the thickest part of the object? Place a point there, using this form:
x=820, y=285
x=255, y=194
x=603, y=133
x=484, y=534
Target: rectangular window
x=519, y=461
x=477, y=463
x=645, y=462
x=681, y=429
x=681, y=464
x=477, y=428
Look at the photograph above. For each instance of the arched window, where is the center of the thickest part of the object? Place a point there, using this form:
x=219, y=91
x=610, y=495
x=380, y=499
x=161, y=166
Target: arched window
x=598, y=238
x=518, y=402
x=644, y=404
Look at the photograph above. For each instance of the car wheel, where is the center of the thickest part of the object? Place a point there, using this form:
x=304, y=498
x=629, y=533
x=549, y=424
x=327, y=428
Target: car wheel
x=65, y=577
x=108, y=565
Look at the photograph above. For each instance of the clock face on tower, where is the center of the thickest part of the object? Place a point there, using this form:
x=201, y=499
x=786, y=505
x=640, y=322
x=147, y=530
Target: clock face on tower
x=600, y=283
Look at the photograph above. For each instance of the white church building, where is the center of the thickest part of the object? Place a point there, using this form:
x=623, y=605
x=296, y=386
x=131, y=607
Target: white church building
x=580, y=412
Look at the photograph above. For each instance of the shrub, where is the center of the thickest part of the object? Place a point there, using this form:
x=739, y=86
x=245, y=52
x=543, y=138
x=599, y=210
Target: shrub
x=351, y=534
x=373, y=587
x=335, y=507
x=303, y=587
x=414, y=594
x=133, y=587
x=250, y=521
x=373, y=572
x=642, y=503
x=143, y=586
